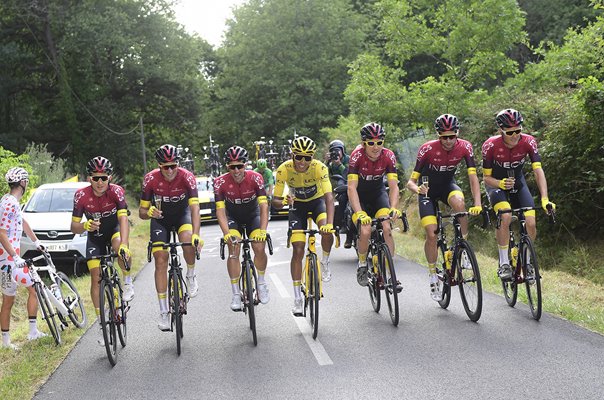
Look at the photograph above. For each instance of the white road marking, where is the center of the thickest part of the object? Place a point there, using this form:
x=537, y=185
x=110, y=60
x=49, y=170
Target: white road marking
x=270, y=263
x=280, y=287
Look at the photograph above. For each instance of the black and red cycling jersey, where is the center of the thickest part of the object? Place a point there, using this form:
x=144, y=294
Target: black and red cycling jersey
x=242, y=197
x=497, y=158
x=107, y=207
x=175, y=196
x=439, y=165
x=370, y=174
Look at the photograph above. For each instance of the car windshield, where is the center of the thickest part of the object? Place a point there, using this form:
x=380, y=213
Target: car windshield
x=205, y=186
x=51, y=200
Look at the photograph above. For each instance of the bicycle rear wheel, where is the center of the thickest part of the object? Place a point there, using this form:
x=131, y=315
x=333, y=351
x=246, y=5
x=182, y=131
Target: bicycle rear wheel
x=107, y=310
x=174, y=287
x=120, y=312
x=532, y=279
x=445, y=280
x=468, y=280
x=390, y=283
x=248, y=301
x=510, y=288
x=376, y=280
x=48, y=312
x=314, y=294
x=72, y=300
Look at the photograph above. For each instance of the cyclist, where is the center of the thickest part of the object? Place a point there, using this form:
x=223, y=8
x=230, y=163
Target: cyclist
x=13, y=269
x=309, y=192
x=503, y=157
x=370, y=163
x=267, y=176
x=241, y=200
x=438, y=160
x=104, y=205
x=174, y=191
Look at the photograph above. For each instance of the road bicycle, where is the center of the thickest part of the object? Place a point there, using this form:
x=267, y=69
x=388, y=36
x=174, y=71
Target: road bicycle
x=523, y=259
x=457, y=265
x=382, y=274
x=112, y=307
x=58, y=303
x=178, y=292
x=260, y=151
x=248, y=279
x=312, y=283
x=213, y=160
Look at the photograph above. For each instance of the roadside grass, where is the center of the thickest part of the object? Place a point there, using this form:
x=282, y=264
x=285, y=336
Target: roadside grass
x=572, y=297
x=23, y=372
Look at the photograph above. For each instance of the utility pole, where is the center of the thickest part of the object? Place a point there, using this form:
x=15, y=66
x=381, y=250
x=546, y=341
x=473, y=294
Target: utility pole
x=143, y=145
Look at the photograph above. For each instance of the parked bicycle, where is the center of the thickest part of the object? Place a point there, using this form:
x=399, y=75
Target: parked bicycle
x=178, y=292
x=59, y=302
x=457, y=265
x=523, y=259
x=248, y=279
x=112, y=307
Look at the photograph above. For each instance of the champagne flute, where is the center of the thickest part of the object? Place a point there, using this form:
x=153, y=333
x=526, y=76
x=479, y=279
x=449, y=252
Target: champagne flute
x=158, y=205
x=512, y=175
x=96, y=217
x=425, y=182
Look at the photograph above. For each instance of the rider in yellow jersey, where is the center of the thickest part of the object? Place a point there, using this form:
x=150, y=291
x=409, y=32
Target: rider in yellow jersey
x=309, y=192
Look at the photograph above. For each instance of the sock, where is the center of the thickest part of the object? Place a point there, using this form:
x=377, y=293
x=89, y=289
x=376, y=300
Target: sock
x=190, y=270
x=431, y=268
x=5, y=338
x=235, y=286
x=97, y=311
x=325, y=257
x=503, y=254
x=261, y=276
x=163, y=302
x=297, y=290
x=363, y=258
x=33, y=327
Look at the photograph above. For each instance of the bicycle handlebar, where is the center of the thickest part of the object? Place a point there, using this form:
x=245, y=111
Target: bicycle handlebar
x=268, y=241
x=551, y=213
x=169, y=245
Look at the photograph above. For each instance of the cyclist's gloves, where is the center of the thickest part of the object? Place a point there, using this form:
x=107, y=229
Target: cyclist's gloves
x=502, y=184
x=196, y=240
x=259, y=235
x=88, y=226
x=39, y=245
x=124, y=251
x=545, y=201
x=363, y=217
x=327, y=228
x=395, y=213
x=150, y=211
x=229, y=237
x=19, y=262
x=475, y=210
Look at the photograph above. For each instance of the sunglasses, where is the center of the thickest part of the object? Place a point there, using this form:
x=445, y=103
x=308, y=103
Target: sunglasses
x=448, y=137
x=236, y=166
x=514, y=132
x=167, y=167
x=374, y=143
x=298, y=157
x=99, y=178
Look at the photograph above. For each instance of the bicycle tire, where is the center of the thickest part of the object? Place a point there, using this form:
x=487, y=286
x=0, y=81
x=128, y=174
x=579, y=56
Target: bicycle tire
x=390, y=283
x=72, y=300
x=510, y=288
x=468, y=280
x=375, y=280
x=248, y=301
x=314, y=294
x=176, y=316
x=107, y=314
x=120, y=312
x=445, y=280
x=532, y=279
x=48, y=312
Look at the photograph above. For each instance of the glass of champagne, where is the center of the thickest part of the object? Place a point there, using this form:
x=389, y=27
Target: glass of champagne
x=96, y=217
x=425, y=182
x=512, y=175
x=158, y=205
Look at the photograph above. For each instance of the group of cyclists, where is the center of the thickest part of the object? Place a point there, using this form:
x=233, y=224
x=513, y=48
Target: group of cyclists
x=169, y=199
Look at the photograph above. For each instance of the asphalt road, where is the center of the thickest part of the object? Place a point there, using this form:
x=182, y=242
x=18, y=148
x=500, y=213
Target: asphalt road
x=432, y=354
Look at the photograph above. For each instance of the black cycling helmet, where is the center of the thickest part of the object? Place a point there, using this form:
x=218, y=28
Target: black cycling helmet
x=166, y=154
x=235, y=153
x=446, y=122
x=337, y=145
x=372, y=131
x=99, y=165
x=509, y=118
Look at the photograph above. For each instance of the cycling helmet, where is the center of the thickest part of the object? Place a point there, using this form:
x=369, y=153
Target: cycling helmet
x=372, y=131
x=509, y=118
x=235, y=153
x=16, y=175
x=446, y=122
x=337, y=145
x=99, y=165
x=261, y=163
x=166, y=154
x=303, y=146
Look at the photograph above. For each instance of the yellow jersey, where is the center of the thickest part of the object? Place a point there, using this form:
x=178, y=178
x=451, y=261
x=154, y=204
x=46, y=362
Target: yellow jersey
x=305, y=186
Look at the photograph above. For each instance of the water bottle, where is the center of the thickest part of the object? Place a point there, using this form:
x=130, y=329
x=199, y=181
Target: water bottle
x=59, y=305
x=54, y=288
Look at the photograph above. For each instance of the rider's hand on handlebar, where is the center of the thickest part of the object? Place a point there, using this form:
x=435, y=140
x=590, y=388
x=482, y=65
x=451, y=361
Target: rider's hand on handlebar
x=229, y=237
x=326, y=228
x=362, y=216
x=124, y=251
x=19, y=262
x=475, y=210
x=259, y=235
x=544, y=203
x=395, y=213
x=39, y=245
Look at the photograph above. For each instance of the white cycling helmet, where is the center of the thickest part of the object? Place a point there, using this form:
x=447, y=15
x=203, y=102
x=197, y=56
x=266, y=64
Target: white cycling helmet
x=16, y=174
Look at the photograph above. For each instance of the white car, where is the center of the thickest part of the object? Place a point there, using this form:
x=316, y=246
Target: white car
x=48, y=213
x=205, y=193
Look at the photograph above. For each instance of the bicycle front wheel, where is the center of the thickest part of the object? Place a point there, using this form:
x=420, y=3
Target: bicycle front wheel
x=532, y=279
x=48, y=312
x=376, y=281
x=248, y=301
x=120, y=312
x=72, y=300
x=444, y=276
x=314, y=294
x=390, y=283
x=468, y=280
x=510, y=288
x=175, y=290
x=107, y=310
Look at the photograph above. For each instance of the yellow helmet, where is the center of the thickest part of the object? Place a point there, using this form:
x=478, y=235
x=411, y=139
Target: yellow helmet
x=303, y=146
